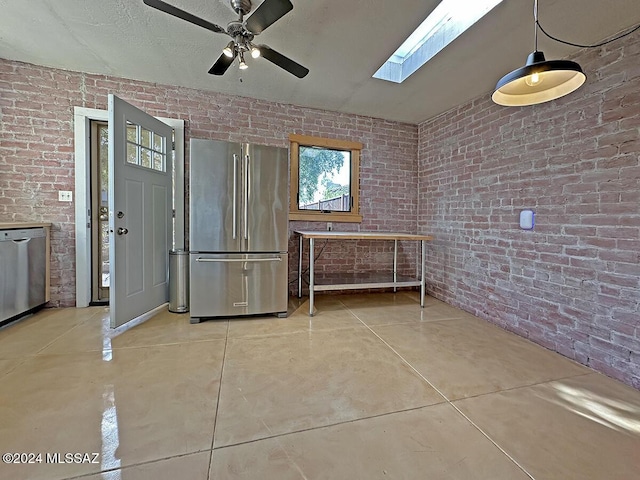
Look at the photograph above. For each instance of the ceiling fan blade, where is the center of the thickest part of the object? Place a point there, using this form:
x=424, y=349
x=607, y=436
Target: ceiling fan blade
x=268, y=13
x=176, y=12
x=283, y=62
x=221, y=65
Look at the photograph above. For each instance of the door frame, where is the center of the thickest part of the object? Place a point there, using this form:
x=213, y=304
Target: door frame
x=82, y=150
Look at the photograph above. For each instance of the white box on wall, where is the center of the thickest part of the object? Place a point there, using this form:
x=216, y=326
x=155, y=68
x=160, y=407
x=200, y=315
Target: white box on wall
x=527, y=219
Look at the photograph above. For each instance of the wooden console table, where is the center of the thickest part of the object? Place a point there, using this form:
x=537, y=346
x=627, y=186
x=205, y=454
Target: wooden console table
x=346, y=282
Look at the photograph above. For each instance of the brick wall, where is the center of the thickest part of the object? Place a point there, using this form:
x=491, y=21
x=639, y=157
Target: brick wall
x=573, y=283
x=36, y=155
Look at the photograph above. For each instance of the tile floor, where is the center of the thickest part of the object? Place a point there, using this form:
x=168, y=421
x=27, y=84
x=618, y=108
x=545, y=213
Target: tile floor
x=372, y=387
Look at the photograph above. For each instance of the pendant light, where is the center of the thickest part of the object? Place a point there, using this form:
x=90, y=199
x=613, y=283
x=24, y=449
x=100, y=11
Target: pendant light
x=540, y=80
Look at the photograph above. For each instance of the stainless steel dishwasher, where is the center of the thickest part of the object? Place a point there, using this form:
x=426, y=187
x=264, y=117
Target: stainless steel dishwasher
x=23, y=266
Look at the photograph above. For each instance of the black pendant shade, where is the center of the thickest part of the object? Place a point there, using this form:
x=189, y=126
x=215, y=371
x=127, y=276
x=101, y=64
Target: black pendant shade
x=539, y=81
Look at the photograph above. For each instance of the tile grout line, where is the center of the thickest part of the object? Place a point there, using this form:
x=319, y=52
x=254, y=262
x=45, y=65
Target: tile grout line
x=133, y=465
x=276, y=436
x=477, y=427
x=486, y=435
x=20, y=360
x=74, y=327
x=215, y=419
x=298, y=468
x=529, y=385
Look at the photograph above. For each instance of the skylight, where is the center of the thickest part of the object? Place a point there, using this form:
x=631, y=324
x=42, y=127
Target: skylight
x=446, y=23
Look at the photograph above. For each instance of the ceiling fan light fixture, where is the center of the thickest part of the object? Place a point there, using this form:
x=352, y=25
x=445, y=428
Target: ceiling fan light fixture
x=242, y=33
x=229, y=50
x=539, y=81
x=243, y=65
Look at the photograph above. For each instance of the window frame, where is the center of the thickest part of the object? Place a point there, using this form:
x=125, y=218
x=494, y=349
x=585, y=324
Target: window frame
x=295, y=213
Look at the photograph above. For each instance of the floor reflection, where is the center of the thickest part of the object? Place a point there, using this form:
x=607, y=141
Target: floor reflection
x=109, y=430
x=619, y=415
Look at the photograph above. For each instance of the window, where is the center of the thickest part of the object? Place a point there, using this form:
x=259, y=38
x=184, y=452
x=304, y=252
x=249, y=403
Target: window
x=145, y=148
x=447, y=22
x=324, y=179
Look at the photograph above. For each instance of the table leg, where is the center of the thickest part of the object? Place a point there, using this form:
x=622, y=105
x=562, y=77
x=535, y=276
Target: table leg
x=300, y=270
x=423, y=244
x=311, y=280
x=395, y=265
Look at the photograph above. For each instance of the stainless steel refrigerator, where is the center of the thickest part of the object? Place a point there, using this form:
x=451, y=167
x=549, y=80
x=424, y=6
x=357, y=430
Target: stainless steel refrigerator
x=238, y=229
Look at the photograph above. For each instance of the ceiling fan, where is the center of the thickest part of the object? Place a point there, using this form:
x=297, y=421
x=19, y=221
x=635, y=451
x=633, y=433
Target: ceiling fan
x=242, y=33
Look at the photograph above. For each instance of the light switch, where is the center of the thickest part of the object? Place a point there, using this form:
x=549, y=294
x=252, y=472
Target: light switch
x=527, y=219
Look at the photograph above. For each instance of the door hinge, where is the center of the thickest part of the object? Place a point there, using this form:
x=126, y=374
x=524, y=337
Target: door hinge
x=173, y=146
x=173, y=213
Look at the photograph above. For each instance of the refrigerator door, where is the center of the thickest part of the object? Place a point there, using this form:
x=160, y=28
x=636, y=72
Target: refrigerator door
x=265, y=217
x=237, y=284
x=215, y=202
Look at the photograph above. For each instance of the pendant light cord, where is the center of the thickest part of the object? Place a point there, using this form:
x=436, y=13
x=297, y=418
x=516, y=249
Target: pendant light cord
x=596, y=45
x=536, y=25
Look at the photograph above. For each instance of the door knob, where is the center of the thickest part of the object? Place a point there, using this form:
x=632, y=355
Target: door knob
x=122, y=231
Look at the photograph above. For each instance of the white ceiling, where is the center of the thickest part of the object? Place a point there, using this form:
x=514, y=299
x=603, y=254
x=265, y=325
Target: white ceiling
x=341, y=42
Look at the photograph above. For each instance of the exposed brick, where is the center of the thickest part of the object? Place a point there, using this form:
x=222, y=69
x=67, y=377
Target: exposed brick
x=37, y=129
x=571, y=284
x=575, y=163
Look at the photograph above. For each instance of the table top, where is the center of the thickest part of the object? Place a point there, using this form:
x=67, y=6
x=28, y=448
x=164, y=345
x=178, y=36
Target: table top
x=12, y=225
x=326, y=234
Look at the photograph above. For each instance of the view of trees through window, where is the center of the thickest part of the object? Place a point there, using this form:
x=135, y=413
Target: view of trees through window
x=324, y=180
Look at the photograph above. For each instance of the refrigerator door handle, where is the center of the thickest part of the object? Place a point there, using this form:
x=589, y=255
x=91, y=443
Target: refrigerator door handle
x=246, y=197
x=235, y=195
x=237, y=260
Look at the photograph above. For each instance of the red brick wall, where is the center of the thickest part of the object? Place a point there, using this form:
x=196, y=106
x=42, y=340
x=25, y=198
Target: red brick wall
x=36, y=154
x=573, y=283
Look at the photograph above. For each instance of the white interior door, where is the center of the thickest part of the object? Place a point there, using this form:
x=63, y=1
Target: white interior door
x=140, y=211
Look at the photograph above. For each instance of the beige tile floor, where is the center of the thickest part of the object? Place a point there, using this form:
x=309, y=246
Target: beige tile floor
x=372, y=387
